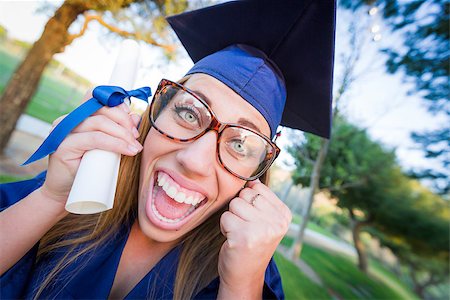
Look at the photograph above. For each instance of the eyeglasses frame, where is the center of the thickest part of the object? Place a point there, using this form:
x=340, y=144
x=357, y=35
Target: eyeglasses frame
x=216, y=126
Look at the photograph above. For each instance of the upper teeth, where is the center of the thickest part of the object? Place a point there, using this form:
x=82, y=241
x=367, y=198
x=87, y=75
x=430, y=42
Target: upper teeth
x=179, y=194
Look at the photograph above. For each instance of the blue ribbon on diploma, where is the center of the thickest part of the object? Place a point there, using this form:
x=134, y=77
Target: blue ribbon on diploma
x=103, y=95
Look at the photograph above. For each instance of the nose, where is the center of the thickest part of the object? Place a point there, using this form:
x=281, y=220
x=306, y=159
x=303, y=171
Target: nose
x=198, y=157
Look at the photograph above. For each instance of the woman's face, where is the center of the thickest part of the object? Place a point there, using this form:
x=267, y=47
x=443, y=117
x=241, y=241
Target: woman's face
x=170, y=168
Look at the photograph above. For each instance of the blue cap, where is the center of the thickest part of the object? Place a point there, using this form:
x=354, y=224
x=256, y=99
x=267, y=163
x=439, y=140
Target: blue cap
x=256, y=79
x=272, y=53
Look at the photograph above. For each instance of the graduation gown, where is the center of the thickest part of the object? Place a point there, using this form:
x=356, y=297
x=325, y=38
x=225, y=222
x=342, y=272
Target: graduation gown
x=91, y=276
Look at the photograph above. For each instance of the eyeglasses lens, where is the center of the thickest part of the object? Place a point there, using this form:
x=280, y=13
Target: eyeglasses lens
x=180, y=115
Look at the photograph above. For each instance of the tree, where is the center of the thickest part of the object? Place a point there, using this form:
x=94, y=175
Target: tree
x=366, y=181
x=420, y=239
x=349, y=59
x=424, y=271
x=55, y=37
x=314, y=178
x=357, y=172
x=423, y=59
x=427, y=217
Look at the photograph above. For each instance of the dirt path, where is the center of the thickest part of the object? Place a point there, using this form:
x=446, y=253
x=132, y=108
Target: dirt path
x=19, y=148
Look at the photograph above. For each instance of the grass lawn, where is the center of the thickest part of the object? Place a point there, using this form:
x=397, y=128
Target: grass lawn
x=341, y=276
x=53, y=97
x=295, y=284
x=384, y=275
x=296, y=219
x=9, y=178
x=320, y=229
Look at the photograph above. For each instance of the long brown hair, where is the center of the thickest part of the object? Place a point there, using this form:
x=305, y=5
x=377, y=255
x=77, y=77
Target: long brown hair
x=197, y=265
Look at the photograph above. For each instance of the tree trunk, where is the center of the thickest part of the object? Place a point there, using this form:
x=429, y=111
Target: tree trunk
x=359, y=246
x=24, y=81
x=296, y=248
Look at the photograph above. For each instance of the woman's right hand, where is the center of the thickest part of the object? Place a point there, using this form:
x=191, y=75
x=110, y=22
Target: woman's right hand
x=23, y=224
x=110, y=128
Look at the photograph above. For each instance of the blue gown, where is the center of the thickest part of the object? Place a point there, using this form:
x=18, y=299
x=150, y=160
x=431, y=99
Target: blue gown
x=92, y=275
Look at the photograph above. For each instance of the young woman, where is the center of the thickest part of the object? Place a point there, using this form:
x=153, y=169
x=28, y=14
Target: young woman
x=191, y=218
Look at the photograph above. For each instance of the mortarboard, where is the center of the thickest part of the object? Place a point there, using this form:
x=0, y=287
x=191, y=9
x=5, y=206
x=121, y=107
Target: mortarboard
x=291, y=37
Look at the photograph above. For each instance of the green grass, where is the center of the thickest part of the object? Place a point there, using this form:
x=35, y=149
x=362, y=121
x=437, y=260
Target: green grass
x=53, y=97
x=287, y=241
x=4, y=178
x=296, y=219
x=320, y=229
x=342, y=277
x=391, y=280
x=295, y=284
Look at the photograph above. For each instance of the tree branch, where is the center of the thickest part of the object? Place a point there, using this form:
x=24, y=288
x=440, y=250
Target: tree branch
x=123, y=33
x=360, y=223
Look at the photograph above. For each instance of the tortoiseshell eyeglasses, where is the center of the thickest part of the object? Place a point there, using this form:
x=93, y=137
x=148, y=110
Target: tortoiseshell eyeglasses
x=181, y=115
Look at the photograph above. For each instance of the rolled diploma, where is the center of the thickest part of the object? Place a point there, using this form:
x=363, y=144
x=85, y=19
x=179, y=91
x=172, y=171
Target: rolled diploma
x=95, y=183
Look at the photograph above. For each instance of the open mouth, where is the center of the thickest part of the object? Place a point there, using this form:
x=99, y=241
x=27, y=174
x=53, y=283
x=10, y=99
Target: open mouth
x=171, y=205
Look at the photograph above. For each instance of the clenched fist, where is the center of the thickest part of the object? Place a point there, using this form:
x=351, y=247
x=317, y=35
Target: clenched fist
x=253, y=227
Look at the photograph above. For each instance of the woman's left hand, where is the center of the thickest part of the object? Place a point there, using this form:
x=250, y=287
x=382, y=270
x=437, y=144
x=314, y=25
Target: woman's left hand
x=254, y=226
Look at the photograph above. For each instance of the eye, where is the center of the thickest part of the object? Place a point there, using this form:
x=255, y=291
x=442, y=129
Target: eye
x=237, y=148
x=187, y=116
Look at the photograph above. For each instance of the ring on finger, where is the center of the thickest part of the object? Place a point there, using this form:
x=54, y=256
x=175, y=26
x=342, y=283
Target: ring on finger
x=253, y=200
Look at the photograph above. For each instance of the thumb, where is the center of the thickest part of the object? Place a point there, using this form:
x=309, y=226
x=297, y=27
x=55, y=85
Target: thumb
x=252, y=183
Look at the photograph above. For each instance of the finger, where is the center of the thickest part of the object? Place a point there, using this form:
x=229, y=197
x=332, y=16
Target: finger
x=87, y=95
x=243, y=209
x=58, y=120
x=263, y=189
x=105, y=125
x=274, y=217
x=253, y=197
x=136, y=119
x=230, y=223
x=79, y=143
x=118, y=115
x=125, y=107
x=253, y=182
x=248, y=194
x=259, y=187
x=262, y=202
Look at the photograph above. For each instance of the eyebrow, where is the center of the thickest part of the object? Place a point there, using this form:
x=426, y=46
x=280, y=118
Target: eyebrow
x=204, y=98
x=249, y=124
x=241, y=121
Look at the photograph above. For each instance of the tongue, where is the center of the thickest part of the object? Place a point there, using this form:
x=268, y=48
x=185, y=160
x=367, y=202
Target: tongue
x=168, y=207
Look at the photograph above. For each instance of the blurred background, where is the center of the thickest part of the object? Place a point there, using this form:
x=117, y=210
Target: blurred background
x=370, y=205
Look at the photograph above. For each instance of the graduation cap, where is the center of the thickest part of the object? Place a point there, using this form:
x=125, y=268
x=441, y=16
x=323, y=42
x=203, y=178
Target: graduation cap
x=274, y=53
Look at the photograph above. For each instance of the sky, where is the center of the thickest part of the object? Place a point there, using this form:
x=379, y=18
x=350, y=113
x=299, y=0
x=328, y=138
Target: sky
x=376, y=101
